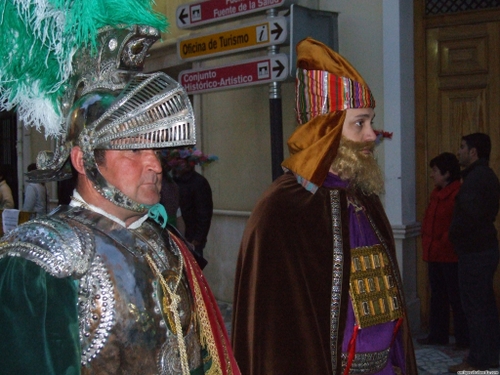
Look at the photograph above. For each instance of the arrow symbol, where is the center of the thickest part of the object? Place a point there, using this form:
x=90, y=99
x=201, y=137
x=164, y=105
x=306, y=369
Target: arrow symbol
x=278, y=68
x=278, y=30
x=183, y=16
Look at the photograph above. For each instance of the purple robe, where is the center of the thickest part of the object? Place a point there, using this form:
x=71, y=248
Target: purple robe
x=378, y=337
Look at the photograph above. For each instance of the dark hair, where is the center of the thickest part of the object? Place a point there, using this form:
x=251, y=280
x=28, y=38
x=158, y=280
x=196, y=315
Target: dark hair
x=100, y=157
x=481, y=142
x=3, y=172
x=32, y=167
x=447, y=162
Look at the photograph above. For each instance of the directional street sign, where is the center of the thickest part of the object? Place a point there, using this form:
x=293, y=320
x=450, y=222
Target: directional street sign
x=204, y=12
x=245, y=73
x=257, y=35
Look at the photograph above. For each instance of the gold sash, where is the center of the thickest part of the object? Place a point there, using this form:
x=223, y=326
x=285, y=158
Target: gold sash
x=372, y=287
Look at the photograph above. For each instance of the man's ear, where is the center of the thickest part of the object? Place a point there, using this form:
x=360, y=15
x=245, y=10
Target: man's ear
x=77, y=159
x=473, y=151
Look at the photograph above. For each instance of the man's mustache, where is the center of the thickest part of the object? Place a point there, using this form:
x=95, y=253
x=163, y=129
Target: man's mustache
x=358, y=146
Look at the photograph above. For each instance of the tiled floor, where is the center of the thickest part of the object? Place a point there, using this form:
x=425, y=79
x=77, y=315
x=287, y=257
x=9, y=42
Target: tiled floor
x=431, y=360
x=435, y=360
x=226, y=310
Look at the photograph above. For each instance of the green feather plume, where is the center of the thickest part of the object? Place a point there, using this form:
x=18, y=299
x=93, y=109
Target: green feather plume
x=40, y=38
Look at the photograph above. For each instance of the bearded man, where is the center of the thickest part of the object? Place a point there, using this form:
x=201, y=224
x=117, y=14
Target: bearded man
x=317, y=284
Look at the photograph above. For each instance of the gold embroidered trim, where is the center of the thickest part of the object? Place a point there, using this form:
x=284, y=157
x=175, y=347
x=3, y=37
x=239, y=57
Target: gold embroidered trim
x=206, y=333
x=373, y=288
x=170, y=304
x=367, y=363
x=337, y=272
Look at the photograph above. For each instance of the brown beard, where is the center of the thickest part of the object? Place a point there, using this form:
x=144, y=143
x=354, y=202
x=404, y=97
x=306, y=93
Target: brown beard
x=361, y=170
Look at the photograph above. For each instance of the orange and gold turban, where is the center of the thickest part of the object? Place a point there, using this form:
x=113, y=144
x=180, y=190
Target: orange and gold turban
x=326, y=85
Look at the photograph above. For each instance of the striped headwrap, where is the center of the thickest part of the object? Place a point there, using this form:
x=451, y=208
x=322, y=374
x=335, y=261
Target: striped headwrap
x=319, y=92
x=326, y=86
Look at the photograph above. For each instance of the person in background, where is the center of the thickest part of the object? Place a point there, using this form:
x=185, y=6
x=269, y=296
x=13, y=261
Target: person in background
x=195, y=194
x=169, y=194
x=474, y=237
x=6, y=199
x=440, y=257
x=317, y=285
x=35, y=195
x=66, y=187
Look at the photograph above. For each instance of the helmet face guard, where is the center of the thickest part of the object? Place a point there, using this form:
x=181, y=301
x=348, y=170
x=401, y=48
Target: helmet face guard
x=115, y=107
x=153, y=111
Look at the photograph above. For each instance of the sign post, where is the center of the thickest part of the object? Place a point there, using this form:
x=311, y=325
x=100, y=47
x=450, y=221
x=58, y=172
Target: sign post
x=272, y=32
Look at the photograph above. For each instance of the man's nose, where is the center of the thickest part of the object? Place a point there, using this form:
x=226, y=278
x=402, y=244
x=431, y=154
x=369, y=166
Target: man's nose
x=153, y=160
x=370, y=134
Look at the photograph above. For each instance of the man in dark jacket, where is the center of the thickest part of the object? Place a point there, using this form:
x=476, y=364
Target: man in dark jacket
x=474, y=237
x=195, y=201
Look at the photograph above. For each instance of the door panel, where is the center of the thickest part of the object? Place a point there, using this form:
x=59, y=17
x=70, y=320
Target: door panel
x=462, y=96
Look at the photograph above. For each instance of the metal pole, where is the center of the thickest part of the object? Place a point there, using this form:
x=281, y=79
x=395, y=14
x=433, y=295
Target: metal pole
x=276, y=117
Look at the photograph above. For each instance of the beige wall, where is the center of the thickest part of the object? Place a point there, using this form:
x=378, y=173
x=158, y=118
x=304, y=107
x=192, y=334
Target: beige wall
x=168, y=8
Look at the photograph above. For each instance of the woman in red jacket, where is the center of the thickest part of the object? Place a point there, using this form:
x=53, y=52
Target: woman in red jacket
x=442, y=260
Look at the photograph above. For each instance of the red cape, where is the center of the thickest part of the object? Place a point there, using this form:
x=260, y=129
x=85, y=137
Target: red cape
x=213, y=329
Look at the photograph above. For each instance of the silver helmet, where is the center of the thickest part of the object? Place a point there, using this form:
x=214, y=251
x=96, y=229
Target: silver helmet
x=111, y=105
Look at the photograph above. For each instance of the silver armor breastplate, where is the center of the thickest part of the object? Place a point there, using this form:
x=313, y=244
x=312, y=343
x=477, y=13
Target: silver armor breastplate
x=125, y=327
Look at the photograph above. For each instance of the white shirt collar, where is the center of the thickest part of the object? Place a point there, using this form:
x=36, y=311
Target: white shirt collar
x=78, y=203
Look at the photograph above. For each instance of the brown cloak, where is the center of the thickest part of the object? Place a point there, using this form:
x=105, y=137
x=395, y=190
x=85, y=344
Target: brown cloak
x=283, y=290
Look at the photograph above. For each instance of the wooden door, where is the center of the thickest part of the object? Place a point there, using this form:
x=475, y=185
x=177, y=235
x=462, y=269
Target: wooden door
x=458, y=92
